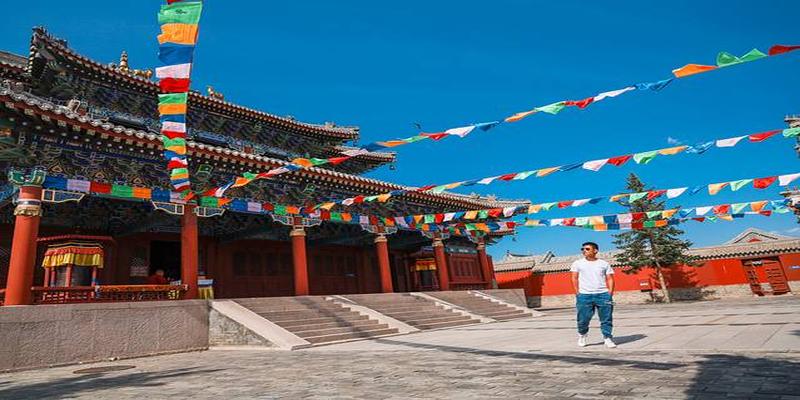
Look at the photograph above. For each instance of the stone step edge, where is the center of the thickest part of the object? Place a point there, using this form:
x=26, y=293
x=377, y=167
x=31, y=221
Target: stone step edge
x=452, y=307
x=266, y=329
x=372, y=314
x=532, y=313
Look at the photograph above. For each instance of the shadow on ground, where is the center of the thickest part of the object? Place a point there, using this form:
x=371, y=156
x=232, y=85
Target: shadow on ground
x=82, y=384
x=736, y=376
x=589, y=360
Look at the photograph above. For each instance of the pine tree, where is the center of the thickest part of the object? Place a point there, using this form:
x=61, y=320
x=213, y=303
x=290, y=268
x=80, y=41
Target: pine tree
x=657, y=248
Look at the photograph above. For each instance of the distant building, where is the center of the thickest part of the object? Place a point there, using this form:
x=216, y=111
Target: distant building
x=754, y=263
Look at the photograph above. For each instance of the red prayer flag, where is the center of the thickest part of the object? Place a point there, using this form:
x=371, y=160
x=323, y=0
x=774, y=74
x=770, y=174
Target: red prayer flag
x=580, y=103
x=495, y=212
x=699, y=219
x=780, y=49
x=507, y=177
x=637, y=216
x=358, y=199
x=426, y=188
x=97, y=187
x=655, y=193
x=270, y=207
x=176, y=164
x=766, y=213
x=760, y=137
x=637, y=225
x=173, y=85
x=568, y=222
x=761, y=183
x=438, y=218
x=722, y=209
x=434, y=136
x=174, y=135
x=338, y=160
x=617, y=161
x=565, y=204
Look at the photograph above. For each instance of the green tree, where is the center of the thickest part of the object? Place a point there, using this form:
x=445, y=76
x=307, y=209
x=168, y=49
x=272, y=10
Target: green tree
x=657, y=248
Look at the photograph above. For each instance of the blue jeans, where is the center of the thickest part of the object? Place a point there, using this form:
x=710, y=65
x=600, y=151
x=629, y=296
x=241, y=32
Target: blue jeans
x=586, y=304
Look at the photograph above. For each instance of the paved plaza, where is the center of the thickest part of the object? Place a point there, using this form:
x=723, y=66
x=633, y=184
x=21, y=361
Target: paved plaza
x=707, y=350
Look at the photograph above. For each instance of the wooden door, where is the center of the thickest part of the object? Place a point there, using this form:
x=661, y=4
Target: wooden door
x=752, y=278
x=775, y=276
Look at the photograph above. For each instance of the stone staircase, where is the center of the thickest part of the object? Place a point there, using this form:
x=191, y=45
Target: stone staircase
x=412, y=310
x=315, y=319
x=482, y=306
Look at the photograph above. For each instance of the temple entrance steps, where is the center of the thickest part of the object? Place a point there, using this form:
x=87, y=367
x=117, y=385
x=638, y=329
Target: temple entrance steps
x=484, y=305
x=417, y=311
x=316, y=319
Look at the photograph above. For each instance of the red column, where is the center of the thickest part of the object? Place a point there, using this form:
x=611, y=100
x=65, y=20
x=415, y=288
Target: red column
x=23, y=246
x=189, y=251
x=441, y=264
x=486, y=269
x=298, y=236
x=382, y=248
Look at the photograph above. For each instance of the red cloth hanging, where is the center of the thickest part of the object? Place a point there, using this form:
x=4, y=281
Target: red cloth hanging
x=619, y=160
x=780, y=49
x=761, y=183
x=580, y=103
x=760, y=137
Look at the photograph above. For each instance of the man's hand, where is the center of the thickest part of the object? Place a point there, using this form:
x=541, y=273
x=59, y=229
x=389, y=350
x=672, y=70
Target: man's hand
x=575, y=282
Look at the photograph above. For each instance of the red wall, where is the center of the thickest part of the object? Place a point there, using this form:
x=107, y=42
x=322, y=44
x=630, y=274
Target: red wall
x=710, y=273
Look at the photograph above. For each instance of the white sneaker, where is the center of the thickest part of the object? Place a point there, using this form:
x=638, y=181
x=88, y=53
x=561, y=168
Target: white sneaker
x=582, y=340
x=609, y=343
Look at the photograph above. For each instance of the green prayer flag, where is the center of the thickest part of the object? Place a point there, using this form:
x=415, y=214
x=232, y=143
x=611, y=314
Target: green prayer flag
x=753, y=55
x=370, y=198
x=208, y=201
x=645, y=157
x=654, y=214
x=791, y=132
x=738, y=207
x=172, y=98
x=249, y=175
x=318, y=161
x=121, y=191
x=173, y=142
x=439, y=189
x=780, y=209
x=712, y=219
x=470, y=227
x=429, y=219
x=649, y=224
x=736, y=185
x=181, y=13
x=637, y=196
x=281, y=210
x=554, y=108
x=179, y=171
x=413, y=139
x=335, y=216
x=547, y=206
x=725, y=59
x=524, y=175
x=483, y=214
x=580, y=221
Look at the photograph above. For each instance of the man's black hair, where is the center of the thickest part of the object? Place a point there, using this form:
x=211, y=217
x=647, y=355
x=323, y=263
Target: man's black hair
x=593, y=244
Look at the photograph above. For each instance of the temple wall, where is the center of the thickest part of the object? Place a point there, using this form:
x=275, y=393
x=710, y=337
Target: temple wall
x=47, y=335
x=714, y=279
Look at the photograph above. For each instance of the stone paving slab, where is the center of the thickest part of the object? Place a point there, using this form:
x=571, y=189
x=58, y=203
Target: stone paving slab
x=682, y=351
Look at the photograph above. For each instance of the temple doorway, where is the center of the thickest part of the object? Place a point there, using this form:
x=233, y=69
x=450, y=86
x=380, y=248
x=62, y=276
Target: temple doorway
x=167, y=256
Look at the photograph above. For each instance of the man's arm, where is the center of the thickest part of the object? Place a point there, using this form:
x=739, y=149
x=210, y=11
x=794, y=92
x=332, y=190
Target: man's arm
x=610, y=283
x=575, y=282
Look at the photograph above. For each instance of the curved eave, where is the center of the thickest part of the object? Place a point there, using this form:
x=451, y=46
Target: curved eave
x=31, y=105
x=226, y=108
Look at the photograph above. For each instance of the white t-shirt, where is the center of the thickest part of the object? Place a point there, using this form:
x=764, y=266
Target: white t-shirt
x=591, y=275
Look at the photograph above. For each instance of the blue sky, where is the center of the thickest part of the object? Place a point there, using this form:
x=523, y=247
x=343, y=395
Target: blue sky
x=444, y=64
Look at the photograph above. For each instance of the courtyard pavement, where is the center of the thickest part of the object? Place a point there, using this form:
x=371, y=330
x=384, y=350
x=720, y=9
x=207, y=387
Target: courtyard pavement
x=706, y=350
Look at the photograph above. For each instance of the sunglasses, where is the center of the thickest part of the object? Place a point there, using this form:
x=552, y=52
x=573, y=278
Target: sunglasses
x=586, y=249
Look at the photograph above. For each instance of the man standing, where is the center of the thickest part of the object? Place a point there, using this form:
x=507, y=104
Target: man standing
x=593, y=281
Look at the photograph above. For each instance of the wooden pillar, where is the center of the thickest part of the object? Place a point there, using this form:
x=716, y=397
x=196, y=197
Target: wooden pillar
x=23, y=246
x=298, y=235
x=441, y=264
x=486, y=269
x=382, y=248
x=189, y=251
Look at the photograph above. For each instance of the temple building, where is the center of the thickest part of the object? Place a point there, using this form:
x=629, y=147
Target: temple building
x=86, y=211
x=754, y=263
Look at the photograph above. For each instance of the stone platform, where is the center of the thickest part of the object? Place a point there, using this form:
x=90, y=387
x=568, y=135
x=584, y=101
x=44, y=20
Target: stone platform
x=707, y=350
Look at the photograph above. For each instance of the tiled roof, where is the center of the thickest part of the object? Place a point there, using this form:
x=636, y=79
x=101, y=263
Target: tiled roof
x=31, y=104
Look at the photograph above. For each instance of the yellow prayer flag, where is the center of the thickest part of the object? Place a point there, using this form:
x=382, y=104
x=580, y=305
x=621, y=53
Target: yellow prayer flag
x=546, y=171
x=672, y=150
x=178, y=33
